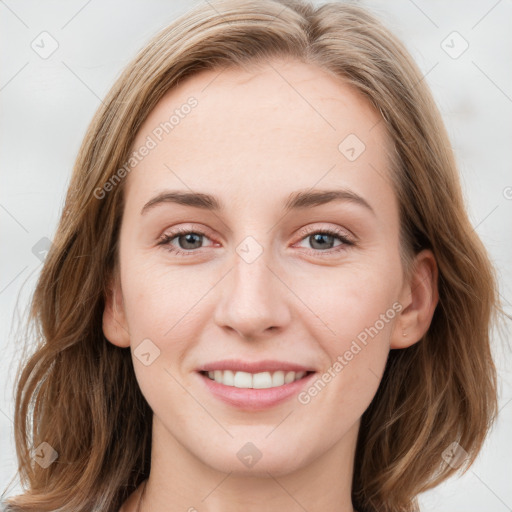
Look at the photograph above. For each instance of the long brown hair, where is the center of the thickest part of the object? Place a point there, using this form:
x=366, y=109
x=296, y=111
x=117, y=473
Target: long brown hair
x=78, y=392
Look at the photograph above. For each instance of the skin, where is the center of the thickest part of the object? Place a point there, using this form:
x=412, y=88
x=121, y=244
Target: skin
x=253, y=139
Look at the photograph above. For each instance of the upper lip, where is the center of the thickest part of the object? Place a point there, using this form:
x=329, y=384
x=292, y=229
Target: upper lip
x=254, y=366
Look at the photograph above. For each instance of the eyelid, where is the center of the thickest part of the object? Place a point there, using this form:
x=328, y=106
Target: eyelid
x=338, y=230
x=187, y=228
x=169, y=234
x=346, y=237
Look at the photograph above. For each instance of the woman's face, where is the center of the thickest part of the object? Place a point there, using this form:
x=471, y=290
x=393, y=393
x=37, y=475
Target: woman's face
x=256, y=280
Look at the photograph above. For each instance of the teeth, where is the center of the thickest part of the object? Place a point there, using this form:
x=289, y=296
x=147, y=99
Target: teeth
x=254, y=380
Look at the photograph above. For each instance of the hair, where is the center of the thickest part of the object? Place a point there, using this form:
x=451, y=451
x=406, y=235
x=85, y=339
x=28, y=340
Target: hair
x=78, y=392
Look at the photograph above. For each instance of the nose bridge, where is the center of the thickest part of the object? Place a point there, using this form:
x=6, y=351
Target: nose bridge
x=251, y=269
x=252, y=298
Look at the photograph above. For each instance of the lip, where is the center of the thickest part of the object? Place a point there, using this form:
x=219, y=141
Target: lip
x=249, y=399
x=266, y=365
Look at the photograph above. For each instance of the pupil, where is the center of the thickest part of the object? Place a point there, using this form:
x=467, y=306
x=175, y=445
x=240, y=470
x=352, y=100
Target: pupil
x=189, y=238
x=318, y=237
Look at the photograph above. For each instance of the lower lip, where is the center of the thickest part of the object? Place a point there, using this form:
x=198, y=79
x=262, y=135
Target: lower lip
x=255, y=399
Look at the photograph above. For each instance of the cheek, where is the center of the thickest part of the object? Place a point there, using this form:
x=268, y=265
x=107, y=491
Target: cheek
x=163, y=327
x=344, y=389
x=347, y=301
x=149, y=309
x=169, y=307
x=160, y=299
x=352, y=316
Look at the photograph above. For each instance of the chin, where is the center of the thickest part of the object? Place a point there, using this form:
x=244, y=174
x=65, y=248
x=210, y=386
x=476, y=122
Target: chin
x=251, y=460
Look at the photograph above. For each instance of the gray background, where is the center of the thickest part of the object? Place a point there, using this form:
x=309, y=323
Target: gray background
x=46, y=105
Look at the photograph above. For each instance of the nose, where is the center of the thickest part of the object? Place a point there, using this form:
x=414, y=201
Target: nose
x=254, y=298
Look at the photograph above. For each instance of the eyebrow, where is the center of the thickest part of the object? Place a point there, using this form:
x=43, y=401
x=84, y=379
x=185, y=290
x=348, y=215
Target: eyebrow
x=296, y=200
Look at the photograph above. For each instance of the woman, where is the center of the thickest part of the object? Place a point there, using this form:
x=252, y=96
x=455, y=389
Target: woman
x=204, y=349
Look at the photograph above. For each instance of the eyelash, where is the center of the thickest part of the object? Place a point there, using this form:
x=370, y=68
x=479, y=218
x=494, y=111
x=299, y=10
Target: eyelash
x=168, y=237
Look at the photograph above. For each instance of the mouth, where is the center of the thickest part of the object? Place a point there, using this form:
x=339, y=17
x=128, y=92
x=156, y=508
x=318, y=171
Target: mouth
x=254, y=392
x=261, y=380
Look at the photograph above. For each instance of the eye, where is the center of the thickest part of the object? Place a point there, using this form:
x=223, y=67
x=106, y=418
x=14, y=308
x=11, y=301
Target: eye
x=322, y=240
x=187, y=239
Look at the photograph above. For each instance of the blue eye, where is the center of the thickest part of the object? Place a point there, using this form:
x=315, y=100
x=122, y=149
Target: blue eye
x=192, y=240
x=184, y=236
x=324, y=238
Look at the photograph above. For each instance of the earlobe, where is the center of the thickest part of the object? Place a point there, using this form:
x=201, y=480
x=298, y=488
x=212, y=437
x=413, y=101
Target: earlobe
x=114, y=326
x=419, y=299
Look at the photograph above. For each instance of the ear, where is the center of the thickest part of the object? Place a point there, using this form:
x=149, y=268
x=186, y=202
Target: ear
x=115, y=327
x=419, y=298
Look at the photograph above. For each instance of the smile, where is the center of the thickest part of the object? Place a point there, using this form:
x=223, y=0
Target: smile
x=262, y=380
x=254, y=392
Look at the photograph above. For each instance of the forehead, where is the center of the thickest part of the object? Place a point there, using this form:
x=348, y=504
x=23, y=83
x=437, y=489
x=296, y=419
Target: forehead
x=281, y=124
